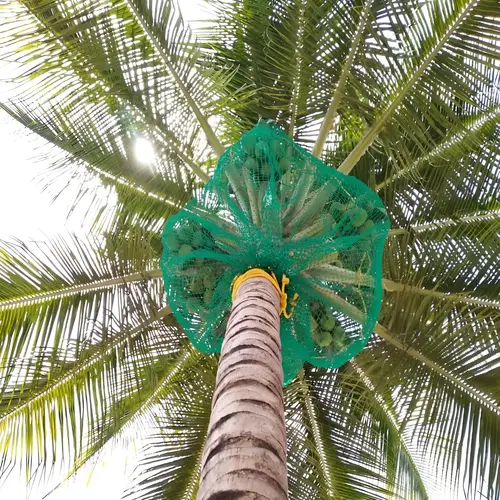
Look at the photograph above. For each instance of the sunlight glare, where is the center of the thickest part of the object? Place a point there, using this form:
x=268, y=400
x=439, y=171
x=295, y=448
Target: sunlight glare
x=144, y=151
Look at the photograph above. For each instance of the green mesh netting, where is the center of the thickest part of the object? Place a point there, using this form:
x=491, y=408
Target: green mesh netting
x=271, y=204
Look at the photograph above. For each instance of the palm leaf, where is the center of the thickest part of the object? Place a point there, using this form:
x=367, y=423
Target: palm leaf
x=323, y=409
x=110, y=74
x=294, y=53
x=429, y=95
x=64, y=348
x=169, y=464
x=440, y=410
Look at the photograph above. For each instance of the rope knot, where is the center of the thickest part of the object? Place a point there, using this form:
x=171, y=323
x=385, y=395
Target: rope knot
x=260, y=273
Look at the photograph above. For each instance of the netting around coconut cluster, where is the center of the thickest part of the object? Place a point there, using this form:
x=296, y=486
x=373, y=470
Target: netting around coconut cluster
x=272, y=205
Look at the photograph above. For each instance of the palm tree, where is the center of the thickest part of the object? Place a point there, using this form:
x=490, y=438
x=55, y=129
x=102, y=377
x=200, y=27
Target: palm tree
x=401, y=94
x=245, y=449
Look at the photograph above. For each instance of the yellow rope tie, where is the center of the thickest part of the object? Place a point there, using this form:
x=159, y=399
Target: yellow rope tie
x=260, y=273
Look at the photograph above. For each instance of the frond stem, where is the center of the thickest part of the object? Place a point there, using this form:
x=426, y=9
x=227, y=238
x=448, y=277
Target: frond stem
x=331, y=114
x=370, y=135
x=293, y=103
x=78, y=289
x=485, y=400
x=393, y=286
x=210, y=134
x=489, y=118
x=318, y=442
x=481, y=216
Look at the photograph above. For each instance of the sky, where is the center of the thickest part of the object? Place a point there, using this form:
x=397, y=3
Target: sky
x=26, y=212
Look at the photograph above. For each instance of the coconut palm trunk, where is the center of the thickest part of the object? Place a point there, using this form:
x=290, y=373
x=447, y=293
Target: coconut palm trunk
x=245, y=451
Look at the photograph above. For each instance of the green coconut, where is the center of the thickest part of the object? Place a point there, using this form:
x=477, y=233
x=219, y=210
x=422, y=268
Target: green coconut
x=265, y=172
x=194, y=305
x=209, y=281
x=185, y=233
x=378, y=214
x=278, y=149
x=339, y=338
x=340, y=207
x=172, y=241
x=289, y=178
x=196, y=286
x=250, y=163
x=324, y=338
x=369, y=206
x=315, y=307
x=358, y=216
x=185, y=249
x=284, y=164
x=207, y=296
x=327, y=322
x=337, y=210
x=366, y=226
x=197, y=239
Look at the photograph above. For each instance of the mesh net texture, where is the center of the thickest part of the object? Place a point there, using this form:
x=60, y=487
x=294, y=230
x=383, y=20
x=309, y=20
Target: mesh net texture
x=272, y=205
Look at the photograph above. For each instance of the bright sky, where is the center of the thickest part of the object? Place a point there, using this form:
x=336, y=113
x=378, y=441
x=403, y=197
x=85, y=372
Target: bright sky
x=25, y=211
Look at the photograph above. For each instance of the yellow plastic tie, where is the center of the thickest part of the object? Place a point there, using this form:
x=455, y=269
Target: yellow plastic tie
x=260, y=273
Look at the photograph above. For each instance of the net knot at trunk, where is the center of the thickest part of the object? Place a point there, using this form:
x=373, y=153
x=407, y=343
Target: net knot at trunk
x=260, y=273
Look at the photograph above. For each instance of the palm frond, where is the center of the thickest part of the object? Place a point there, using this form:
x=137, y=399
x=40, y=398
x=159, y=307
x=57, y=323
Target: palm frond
x=340, y=443
x=105, y=85
x=83, y=396
x=404, y=460
x=81, y=337
x=476, y=364
x=169, y=464
x=434, y=260
x=392, y=286
x=484, y=222
x=450, y=346
x=135, y=413
x=469, y=137
x=100, y=71
x=430, y=95
x=133, y=184
x=452, y=421
x=436, y=195
x=163, y=27
x=295, y=54
x=332, y=112
x=446, y=282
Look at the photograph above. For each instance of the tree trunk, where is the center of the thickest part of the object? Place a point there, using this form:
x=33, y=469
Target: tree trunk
x=245, y=452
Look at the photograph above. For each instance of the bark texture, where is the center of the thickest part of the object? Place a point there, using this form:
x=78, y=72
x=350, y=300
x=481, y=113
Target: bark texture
x=245, y=451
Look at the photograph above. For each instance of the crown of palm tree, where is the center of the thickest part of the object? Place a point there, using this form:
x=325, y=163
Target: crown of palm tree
x=402, y=94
